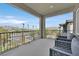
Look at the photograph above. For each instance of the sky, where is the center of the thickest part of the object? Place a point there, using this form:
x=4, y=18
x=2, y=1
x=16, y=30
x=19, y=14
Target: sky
x=60, y=19
x=10, y=16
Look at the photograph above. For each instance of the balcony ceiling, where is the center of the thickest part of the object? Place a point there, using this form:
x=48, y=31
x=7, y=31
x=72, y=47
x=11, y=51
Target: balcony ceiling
x=46, y=9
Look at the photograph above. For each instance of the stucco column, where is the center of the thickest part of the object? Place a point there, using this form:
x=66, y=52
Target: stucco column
x=76, y=19
x=69, y=29
x=42, y=26
x=75, y=40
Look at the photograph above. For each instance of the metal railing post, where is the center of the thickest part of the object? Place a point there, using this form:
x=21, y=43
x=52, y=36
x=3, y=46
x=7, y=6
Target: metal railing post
x=0, y=43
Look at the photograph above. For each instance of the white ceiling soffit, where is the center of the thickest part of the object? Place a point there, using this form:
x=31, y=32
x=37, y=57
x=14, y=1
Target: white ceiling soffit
x=51, y=8
x=46, y=9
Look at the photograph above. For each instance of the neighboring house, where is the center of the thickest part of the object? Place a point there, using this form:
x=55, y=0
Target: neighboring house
x=67, y=28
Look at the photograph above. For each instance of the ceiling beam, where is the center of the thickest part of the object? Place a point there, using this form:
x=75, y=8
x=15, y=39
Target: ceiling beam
x=25, y=8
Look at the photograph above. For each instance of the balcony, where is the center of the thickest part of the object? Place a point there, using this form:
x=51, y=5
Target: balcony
x=62, y=42
x=35, y=48
x=16, y=42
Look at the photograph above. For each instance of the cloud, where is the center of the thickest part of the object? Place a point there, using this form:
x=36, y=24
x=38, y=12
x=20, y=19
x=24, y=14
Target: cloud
x=15, y=21
x=11, y=20
x=10, y=17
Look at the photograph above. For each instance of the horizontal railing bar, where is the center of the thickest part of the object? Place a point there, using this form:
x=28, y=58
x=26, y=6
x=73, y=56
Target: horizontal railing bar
x=17, y=31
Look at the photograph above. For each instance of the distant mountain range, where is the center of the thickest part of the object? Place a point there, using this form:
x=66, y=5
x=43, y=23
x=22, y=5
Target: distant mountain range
x=52, y=28
x=11, y=28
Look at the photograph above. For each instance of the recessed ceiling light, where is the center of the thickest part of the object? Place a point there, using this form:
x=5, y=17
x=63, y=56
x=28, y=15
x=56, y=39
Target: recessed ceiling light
x=51, y=6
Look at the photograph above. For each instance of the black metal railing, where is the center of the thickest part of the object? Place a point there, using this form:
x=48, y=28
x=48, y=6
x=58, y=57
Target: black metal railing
x=10, y=40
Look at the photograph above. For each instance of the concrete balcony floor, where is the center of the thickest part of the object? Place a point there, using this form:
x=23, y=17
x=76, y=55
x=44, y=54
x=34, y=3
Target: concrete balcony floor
x=35, y=48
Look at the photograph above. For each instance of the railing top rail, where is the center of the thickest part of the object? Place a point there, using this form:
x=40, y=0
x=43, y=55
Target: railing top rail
x=16, y=31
